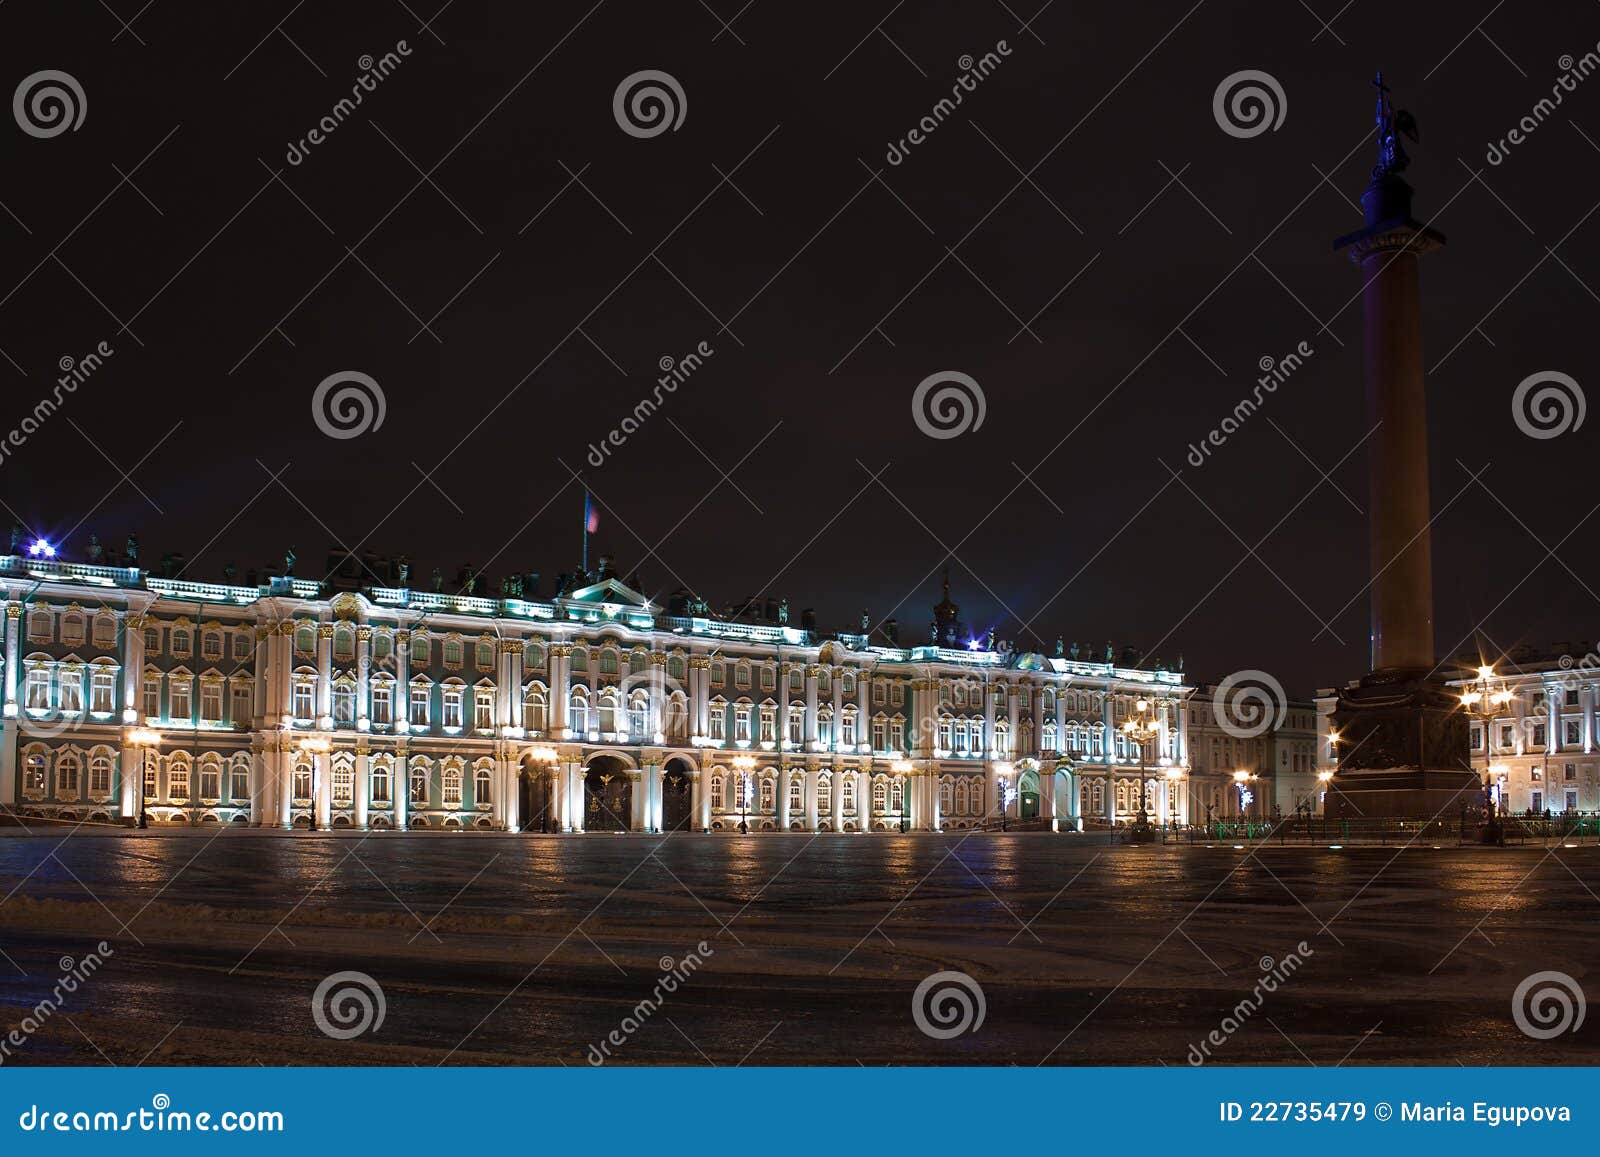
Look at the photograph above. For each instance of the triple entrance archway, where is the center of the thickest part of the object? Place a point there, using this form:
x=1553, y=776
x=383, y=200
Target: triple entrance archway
x=608, y=791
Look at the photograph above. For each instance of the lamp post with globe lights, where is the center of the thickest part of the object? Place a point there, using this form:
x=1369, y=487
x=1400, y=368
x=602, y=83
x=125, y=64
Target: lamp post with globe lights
x=1483, y=700
x=1143, y=728
x=314, y=746
x=744, y=764
x=546, y=757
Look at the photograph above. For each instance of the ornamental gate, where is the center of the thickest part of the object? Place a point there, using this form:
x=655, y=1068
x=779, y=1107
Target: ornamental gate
x=607, y=799
x=677, y=804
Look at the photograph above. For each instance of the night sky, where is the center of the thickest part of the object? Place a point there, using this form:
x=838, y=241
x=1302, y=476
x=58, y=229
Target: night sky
x=556, y=259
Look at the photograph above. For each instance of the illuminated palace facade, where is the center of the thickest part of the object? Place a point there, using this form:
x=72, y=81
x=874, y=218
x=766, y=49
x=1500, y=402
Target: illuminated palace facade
x=285, y=705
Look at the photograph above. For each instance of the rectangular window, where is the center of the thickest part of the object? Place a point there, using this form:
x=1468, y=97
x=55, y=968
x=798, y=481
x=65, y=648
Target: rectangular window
x=380, y=783
x=383, y=705
x=241, y=707
x=38, y=689
x=239, y=789
x=1573, y=738
x=452, y=707
x=103, y=692
x=304, y=703
x=182, y=706
x=419, y=785
x=210, y=781
x=71, y=692
x=344, y=704
x=241, y=645
x=152, y=698
x=483, y=711
x=419, y=706
x=211, y=702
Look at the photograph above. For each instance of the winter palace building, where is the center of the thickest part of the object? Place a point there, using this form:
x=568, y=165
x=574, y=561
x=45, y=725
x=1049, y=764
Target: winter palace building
x=294, y=704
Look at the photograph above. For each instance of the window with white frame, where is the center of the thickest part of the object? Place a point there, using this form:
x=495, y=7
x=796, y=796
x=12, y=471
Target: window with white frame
x=382, y=781
x=483, y=709
x=181, y=690
x=880, y=733
x=102, y=691
x=211, y=645
x=452, y=706
x=303, y=704
x=181, y=642
x=451, y=793
x=68, y=770
x=769, y=723
x=210, y=780
x=344, y=704
x=105, y=630
x=482, y=790
x=239, y=787
x=419, y=783
x=344, y=781
x=796, y=794
x=41, y=627
x=71, y=689
x=178, y=779
x=419, y=705
x=847, y=727
x=36, y=692
x=382, y=703
x=303, y=778
x=33, y=775
x=797, y=723
x=535, y=709
x=211, y=700
x=241, y=706
x=100, y=776
x=152, y=696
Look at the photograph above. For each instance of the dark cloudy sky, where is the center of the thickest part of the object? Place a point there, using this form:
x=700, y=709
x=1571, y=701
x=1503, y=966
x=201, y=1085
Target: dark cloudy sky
x=557, y=259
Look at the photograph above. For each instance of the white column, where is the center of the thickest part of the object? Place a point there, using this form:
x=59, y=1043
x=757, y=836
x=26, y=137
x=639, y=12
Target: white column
x=639, y=804
x=700, y=799
x=864, y=798
x=13, y=661
x=1586, y=700
x=363, y=787
x=402, y=693
x=812, y=671
x=656, y=716
x=931, y=796
x=863, y=710
x=363, y=682
x=322, y=788
x=324, y=675
x=810, y=801
x=700, y=694
x=400, y=788
x=285, y=781
x=574, y=796
x=838, y=800
x=783, y=797
x=1047, y=795
x=838, y=709
x=132, y=668
x=560, y=687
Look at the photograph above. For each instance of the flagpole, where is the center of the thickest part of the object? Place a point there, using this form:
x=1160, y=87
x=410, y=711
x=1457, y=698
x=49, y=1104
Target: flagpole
x=586, y=530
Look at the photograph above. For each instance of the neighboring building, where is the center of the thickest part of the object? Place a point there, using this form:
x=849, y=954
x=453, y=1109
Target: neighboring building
x=1271, y=741
x=1545, y=752
x=379, y=706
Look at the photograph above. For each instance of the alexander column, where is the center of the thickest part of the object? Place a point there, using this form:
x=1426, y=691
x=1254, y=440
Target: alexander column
x=1403, y=742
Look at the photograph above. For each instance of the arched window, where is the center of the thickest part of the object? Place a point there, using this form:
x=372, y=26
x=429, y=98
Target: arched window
x=848, y=788
x=178, y=779
x=382, y=780
x=947, y=796
x=210, y=778
x=73, y=626
x=638, y=713
x=451, y=793
x=960, y=798
x=304, y=776
x=718, y=785
x=34, y=782
x=796, y=794
x=452, y=653
x=578, y=711
x=535, y=708
x=344, y=780
x=100, y=777
x=677, y=717
x=419, y=781
x=608, y=662
x=880, y=795
x=767, y=788
x=481, y=792
x=608, y=706
x=68, y=770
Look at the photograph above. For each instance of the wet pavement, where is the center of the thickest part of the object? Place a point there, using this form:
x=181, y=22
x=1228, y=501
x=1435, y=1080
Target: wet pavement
x=536, y=950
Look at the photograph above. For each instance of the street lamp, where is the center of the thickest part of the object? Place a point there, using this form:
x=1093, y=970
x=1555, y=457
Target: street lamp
x=903, y=767
x=1142, y=728
x=146, y=740
x=313, y=746
x=1484, y=699
x=1175, y=773
x=744, y=764
x=1241, y=780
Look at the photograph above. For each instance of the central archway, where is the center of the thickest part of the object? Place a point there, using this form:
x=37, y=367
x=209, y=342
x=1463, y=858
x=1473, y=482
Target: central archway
x=535, y=798
x=677, y=797
x=607, y=795
x=1028, y=796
